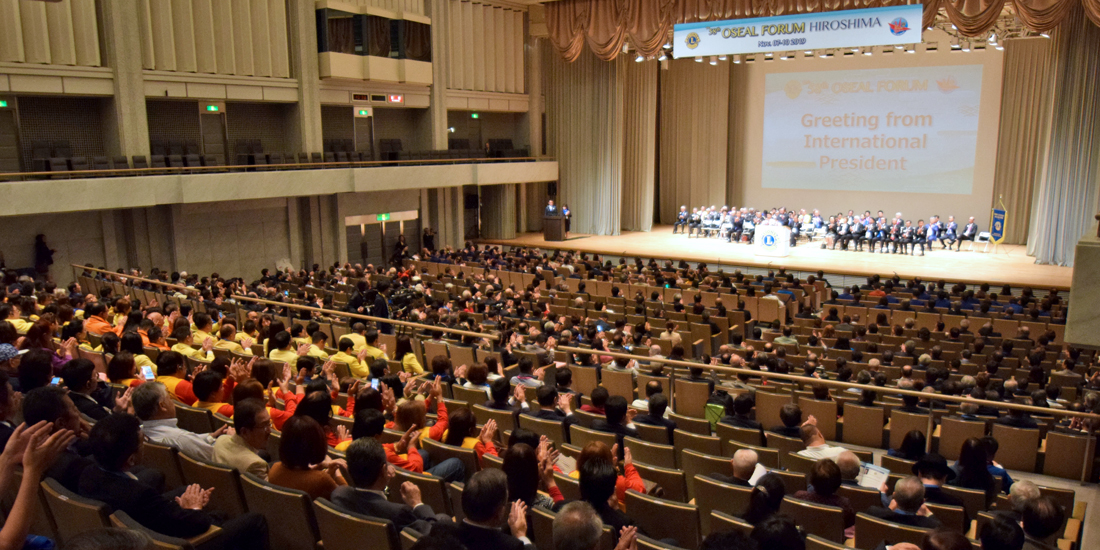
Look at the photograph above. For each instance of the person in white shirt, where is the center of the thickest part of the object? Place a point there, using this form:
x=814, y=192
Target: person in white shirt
x=154, y=406
x=652, y=388
x=816, y=447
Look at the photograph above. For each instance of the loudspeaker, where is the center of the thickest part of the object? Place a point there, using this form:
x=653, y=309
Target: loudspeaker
x=470, y=202
x=552, y=189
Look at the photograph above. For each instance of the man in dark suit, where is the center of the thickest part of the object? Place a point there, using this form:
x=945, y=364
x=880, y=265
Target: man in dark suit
x=791, y=416
x=681, y=220
x=933, y=471
x=554, y=406
x=116, y=444
x=743, y=405
x=908, y=506
x=486, y=506
x=372, y=473
x=619, y=420
x=551, y=210
x=969, y=232
x=658, y=403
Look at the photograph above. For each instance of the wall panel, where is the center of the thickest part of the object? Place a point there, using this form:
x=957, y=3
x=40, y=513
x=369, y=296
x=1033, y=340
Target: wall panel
x=11, y=31
x=164, y=46
x=280, y=57
x=183, y=35
x=242, y=37
x=85, y=32
x=59, y=23
x=261, y=39
x=36, y=34
x=202, y=12
x=145, y=16
x=224, y=45
x=485, y=51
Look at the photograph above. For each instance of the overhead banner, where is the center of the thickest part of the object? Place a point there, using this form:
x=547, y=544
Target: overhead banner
x=812, y=31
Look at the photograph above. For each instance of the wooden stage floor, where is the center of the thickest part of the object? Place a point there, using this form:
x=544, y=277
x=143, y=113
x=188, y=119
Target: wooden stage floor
x=1009, y=264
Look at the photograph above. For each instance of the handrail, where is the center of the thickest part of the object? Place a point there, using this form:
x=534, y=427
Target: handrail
x=831, y=383
x=285, y=166
x=131, y=277
x=338, y=313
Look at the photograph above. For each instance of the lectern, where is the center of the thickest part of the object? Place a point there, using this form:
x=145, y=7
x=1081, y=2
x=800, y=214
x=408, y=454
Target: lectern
x=553, y=228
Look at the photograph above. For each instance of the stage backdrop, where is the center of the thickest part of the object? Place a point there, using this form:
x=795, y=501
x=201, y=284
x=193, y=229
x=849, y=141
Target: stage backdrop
x=915, y=133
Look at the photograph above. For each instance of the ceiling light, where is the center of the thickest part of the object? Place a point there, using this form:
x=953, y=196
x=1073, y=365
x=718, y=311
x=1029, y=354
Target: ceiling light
x=855, y=49
x=721, y=58
x=663, y=57
x=1000, y=47
x=784, y=58
x=869, y=51
x=911, y=51
x=966, y=46
x=737, y=59
x=809, y=52
x=714, y=60
x=993, y=38
x=768, y=54
x=639, y=59
x=897, y=47
x=698, y=59
x=1044, y=35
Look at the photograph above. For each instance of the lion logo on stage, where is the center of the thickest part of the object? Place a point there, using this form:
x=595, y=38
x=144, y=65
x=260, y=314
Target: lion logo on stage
x=793, y=89
x=769, y=240
x=692, y=40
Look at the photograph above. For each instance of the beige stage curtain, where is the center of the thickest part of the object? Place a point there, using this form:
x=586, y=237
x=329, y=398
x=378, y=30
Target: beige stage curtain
x=498, y=207
x=639, y=142
x=585, y=125
x=606, y=24
x=694, y=135
x=1025, y=122
x=1066, y=197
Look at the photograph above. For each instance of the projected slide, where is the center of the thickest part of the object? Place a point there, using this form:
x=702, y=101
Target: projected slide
x=906, y=130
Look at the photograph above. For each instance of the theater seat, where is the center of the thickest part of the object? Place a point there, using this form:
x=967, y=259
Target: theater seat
x=291, y=522
x=343, y=530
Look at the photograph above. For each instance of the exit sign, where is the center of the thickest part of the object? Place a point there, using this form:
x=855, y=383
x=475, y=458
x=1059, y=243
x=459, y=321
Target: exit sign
x=3, y=103
x=475, y=115
x=363, y=112
x=396, y=98
x=212, y=108
x=383, y=217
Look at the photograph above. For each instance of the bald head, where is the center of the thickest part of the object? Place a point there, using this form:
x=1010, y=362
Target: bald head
x=909, y=494
x=849, y=465
x=744, y=463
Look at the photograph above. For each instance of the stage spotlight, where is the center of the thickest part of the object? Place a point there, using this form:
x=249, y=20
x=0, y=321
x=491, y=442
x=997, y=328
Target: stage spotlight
x=767, y=54
x=714, y=60
x=784, y=58
x=1044, y=35
x=993, y=38
x=999, y=47
x=898, y=47
x=809, y=52
x=721, y=58
x=737, y=59
x=966, y=46
x=911, y=51
x=639, y=59
x=870, y=51
x=662, y=57
x=698, y=59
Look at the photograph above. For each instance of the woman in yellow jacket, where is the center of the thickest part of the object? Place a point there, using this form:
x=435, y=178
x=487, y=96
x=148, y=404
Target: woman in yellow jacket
x=405, y=355
x=131, y=342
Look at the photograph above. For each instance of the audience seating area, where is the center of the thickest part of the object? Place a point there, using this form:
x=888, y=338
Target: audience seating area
x=683, y=503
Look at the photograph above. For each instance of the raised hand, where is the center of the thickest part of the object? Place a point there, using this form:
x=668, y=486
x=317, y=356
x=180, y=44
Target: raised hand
x=20, y=439
x=488, y=432
x=565, y=403
x=207, y=345
x=517, y=519
x=303, y=350
x=193, y=498
x=410, y=493
x=246, y=343
x=628, y=538
x=519, y=394
x=122, y=402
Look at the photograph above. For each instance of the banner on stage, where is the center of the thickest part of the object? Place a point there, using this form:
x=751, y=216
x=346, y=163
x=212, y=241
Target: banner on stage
x=885, y=26
x=997, y=231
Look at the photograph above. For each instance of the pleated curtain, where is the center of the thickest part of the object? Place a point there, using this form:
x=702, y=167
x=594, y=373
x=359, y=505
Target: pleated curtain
x=694, y=136
x=1025, y=123
x=639, y=142
x=584, y=119
x=1066, y=197
x=604, y=25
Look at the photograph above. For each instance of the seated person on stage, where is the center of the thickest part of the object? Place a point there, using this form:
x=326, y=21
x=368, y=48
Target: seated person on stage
x=969, y=233
x=681, y=220
x=744, y=464
x=950, y=233
x=116, y=444
x=371, y=473
x=695, y=222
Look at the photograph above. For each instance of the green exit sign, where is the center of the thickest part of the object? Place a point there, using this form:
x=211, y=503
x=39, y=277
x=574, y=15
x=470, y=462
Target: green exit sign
x=383, y=217
x=475, y=115
x=212, y=108
x=363, y=112
x=3, y=103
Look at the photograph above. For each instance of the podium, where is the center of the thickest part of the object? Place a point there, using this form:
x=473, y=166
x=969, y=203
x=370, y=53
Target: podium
x=553, y=228
x=772, y=240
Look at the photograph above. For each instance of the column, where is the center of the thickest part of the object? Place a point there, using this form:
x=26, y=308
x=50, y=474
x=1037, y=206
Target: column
x=127, y=126
x=437, y=109
x=498, y=203
x=302, y=33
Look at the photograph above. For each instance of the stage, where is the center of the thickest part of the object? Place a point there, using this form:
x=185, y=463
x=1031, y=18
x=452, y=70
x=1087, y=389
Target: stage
x=1007, y=264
